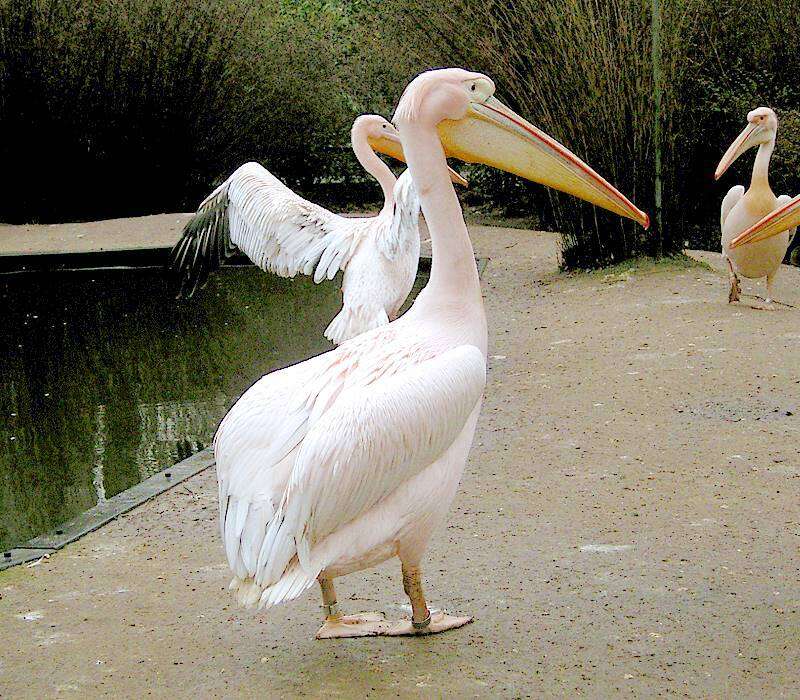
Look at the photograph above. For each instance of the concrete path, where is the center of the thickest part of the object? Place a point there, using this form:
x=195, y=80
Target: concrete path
x=134, y=233
x=157, y=231
x=628, y=526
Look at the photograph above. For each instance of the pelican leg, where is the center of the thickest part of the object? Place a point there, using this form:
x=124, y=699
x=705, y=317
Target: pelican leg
x=373, y=624
x=329, y=602
x=412, y=585
x=422, y=620
x=736, y=288
x=337, y=625
x=770, y=288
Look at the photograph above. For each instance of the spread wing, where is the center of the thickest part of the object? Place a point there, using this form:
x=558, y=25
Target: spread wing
x=277, y=229
x=357, y=429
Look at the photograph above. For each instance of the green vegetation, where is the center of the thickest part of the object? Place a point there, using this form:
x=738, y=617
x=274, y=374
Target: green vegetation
x=645, y=265
x=581, y=70
x=136, y=106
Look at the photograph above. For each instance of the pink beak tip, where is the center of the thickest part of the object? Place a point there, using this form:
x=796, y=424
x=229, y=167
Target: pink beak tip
x=646, y=223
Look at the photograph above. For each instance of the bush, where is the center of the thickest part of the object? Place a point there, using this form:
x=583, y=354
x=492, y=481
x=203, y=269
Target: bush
x=137, y=106
x=579, y=69
x=582, y=71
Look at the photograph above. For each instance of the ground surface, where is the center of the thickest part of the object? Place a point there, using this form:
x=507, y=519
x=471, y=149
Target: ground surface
x=155, y=231
x=159, y=230
x=628, y=525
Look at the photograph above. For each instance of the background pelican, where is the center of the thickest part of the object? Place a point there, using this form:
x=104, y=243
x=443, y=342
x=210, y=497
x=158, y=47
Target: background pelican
x=741, y=209
x=285, y=234
x=341, y=462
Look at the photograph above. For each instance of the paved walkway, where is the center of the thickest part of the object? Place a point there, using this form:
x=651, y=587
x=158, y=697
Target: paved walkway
x=628, y=525
x=157, y=231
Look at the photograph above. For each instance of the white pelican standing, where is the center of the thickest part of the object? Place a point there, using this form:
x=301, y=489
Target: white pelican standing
x=285, y=234
x=351, y=458
x=741, y=209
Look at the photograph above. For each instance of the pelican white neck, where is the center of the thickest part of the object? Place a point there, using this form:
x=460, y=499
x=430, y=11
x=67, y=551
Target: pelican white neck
x=454, y=275
x=373, y=165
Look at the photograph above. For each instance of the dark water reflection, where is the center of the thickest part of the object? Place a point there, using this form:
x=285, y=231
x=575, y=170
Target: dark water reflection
x=106, y=378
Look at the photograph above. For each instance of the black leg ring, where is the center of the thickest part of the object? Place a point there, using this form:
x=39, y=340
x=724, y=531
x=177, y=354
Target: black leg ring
x=421, y=625
x=331, y=610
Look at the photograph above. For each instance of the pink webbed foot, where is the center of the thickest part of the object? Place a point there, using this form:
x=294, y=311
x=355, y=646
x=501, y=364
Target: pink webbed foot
x=375, y=625
x=370, y=624
x=440, y=622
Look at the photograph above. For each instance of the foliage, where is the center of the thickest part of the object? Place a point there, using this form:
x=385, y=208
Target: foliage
x=581, y=70
x=135, y=106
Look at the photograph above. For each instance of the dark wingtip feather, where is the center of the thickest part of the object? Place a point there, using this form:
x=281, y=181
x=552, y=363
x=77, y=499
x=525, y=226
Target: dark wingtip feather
x=204, y=245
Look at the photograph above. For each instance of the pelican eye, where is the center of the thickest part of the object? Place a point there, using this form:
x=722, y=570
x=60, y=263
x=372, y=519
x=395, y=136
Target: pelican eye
x=473, y=87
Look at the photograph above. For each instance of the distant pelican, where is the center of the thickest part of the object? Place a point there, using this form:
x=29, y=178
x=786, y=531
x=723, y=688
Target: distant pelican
x=741, y=209
x=353, y=457
x=285, y=234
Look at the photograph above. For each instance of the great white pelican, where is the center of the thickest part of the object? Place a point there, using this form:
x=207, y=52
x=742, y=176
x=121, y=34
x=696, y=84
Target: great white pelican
x=742, y=208
x=254, y=212
x=353, y=457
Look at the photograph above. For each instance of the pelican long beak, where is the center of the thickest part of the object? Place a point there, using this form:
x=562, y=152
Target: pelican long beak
x=494, y=135
x=743, y=141
x=778, y=221
x=390, y=145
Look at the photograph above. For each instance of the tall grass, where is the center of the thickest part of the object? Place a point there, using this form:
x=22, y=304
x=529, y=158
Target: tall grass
x=581, y=70
x=134, y=106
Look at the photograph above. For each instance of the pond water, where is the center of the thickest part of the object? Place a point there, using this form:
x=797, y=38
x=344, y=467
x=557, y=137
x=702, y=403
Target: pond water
x=106, y=378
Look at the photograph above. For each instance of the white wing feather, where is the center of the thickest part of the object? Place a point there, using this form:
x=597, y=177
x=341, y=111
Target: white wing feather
x=255, y=447
x=404, y=226
x=283, y=233
x=277, y=229
x=370, y=442
x=309, y=448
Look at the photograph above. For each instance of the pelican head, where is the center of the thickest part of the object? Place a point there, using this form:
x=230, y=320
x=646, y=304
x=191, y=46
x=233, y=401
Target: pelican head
x=383, y=137
x=761, y=129
x=474, y=126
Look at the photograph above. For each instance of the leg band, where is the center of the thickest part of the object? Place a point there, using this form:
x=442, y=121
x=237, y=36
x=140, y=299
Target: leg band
x=331, y=610
x=421, y=625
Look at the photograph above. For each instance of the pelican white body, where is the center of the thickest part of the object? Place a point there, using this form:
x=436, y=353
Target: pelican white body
x=762, y=258
x=338, y=463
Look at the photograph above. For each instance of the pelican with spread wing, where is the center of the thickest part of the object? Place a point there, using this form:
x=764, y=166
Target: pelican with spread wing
x=254, y=212
x=353, y=457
